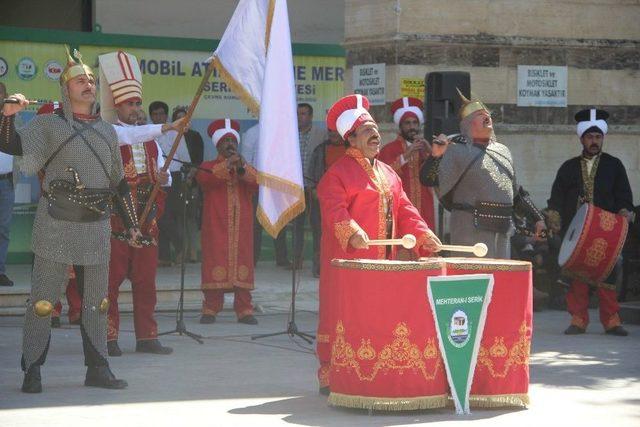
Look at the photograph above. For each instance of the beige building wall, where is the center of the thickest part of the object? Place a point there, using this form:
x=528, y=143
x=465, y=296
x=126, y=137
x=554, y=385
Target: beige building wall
x=312, y=21
x=604, y=19
x=598, y=41
x=498, y=85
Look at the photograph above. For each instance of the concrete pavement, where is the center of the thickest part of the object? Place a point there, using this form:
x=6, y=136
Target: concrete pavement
x=273, y=288
x=230, y=380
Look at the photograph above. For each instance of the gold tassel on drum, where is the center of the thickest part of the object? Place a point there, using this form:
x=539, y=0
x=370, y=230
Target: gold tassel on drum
x=388, y=403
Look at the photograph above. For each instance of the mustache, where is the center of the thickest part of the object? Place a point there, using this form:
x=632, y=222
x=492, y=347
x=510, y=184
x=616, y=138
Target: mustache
x=374, y=138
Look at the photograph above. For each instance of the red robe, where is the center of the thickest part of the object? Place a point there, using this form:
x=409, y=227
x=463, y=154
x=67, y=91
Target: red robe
x=227, y=226
x=353, y=195
x=421, y=196
x=136, y=264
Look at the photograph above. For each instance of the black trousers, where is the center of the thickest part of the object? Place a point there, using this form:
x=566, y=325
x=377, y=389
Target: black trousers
x=170, y=223
x=280, y=243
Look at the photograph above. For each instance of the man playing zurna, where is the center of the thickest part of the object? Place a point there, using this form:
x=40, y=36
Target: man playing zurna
x=407, y=153
x=475, y=179
x=228, y=184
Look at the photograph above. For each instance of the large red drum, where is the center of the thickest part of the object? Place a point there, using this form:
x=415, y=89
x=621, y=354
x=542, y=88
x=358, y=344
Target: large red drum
x=501, y=377
x=384, y=349
x=592, y=243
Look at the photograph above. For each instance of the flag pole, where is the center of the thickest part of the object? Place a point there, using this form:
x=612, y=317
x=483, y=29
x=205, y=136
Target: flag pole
x=174, y=147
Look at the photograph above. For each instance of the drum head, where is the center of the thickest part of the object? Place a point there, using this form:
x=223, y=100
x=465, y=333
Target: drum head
x=573, y=234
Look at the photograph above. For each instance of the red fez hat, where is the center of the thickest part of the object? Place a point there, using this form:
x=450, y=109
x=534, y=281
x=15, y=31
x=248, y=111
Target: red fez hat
x=220, y=128
x=407, y=107
x=348, y=113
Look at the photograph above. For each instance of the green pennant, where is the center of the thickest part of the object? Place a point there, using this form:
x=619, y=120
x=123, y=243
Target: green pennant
x=459, y=305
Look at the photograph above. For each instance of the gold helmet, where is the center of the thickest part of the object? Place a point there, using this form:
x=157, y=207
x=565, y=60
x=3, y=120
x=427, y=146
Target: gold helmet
x=470, y=106
x=75, y=67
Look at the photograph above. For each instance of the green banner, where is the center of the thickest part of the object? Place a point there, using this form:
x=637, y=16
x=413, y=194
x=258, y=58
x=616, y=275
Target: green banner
x=459, y=305
x=169, y=75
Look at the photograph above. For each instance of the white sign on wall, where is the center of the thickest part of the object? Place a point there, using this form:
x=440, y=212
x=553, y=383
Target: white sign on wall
x=369, y=80
x=542, y=86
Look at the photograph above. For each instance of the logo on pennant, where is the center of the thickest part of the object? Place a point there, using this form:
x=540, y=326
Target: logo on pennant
x=459, y=305
x=458, y=332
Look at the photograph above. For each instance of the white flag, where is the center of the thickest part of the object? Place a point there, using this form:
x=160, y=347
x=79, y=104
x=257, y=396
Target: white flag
x=254, y=57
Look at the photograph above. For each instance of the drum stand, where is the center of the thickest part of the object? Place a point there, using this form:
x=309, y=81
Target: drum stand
x=181, y=328
x=292, y=328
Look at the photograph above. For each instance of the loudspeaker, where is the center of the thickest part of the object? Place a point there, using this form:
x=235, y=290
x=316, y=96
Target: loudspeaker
x=442, y=102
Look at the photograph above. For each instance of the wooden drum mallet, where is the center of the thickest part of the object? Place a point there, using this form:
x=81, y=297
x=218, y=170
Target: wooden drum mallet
x=479, y=249
x=408, y=241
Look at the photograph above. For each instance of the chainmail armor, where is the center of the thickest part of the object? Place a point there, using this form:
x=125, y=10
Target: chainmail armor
x=484, y=181
x=63, y=241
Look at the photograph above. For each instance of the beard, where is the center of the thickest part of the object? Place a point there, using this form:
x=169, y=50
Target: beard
x=409, y=135
x=593, y=149
x=230, y=151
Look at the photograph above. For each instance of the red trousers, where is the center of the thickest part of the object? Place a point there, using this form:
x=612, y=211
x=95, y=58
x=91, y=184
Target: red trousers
x=73, y=300
x=578, y=304
x=214, y=300
x=139, y=265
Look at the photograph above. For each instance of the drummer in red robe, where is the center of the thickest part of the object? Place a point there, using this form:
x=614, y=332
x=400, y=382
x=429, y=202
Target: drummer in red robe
x=228, y=186
x=407, y=153
x=601, y=179
x=360, y=199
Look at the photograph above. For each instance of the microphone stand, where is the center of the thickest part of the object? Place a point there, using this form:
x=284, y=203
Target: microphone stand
x=292, y=329
x=181, y=328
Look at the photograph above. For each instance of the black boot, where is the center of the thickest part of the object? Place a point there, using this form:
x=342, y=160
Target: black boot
x=152, y=346
x=574, y=330
x=207, y=319
x=5, y=281
x=32, y=381
x=249, y=319
x=113, y=349
x=618, y=331
x=101, y=376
